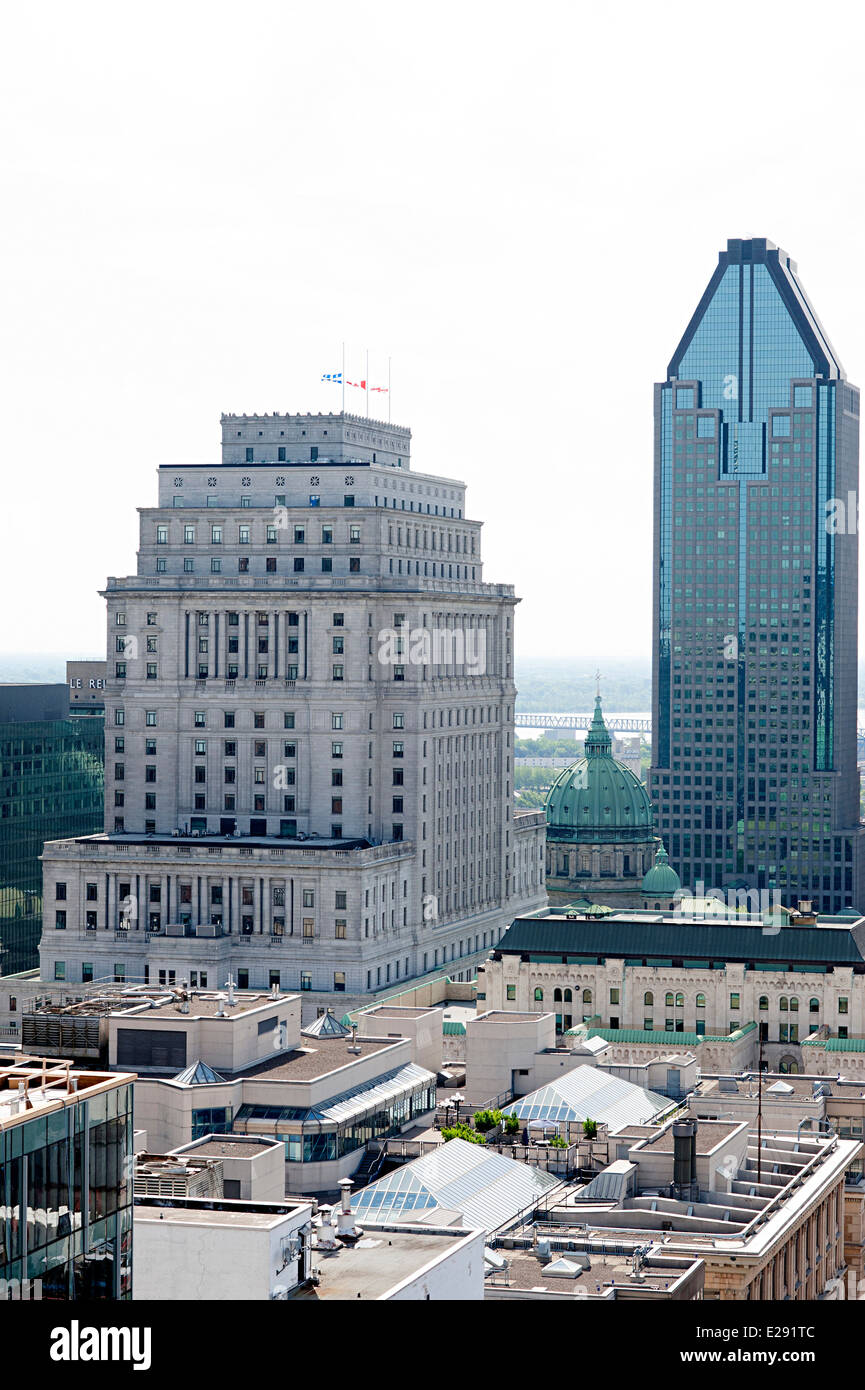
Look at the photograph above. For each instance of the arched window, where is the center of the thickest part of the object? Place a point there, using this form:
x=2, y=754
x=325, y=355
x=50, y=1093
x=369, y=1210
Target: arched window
x=557, y=996
x=668, y=1000
x=587, y=996
x=648, y=997
x=680, y=1001
x=794, y=1004
x=764, y=1002
x=701, y=1001
x=813, y=1006
x=657, y=907
x=783, y=1005
x=539, y=996
x=569, y=998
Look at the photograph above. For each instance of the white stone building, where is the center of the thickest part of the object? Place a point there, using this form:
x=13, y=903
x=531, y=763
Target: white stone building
x=309, y=730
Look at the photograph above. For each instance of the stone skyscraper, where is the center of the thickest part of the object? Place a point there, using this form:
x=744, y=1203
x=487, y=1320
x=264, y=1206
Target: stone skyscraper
x=309, y=730
x=754, y=778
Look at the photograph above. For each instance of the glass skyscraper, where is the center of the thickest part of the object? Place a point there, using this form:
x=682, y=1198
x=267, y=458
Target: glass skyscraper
x=754, y=780
x=51, y=785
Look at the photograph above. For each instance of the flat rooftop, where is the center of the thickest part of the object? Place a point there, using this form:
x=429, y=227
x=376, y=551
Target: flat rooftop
x=144, y=1002
x=598, y=1276
x=229, y=1148
x=323, y=1055
x=183, y=1215
x=795, y=1086
x=710, y=1133
x=381, y=1259
x=505, y=1016
x=401, y=1011
x=131, y=837
x=48, y=1086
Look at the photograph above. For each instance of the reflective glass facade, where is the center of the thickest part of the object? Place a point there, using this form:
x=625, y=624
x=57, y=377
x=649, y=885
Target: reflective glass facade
x=51, y=786
x=754, y=780
x=66, y=1198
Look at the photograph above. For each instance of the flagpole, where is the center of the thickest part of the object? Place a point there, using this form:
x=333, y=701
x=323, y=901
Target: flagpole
x=343, y=378
x=366, y=383
x=388, y=390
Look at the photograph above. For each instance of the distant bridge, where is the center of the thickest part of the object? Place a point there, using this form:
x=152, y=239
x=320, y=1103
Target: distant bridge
x=620, y=724
x=616, y=723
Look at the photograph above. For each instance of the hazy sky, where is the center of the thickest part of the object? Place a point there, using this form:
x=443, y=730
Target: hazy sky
x=520, y=205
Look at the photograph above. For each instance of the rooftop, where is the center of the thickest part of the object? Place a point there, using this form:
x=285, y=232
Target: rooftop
x=486, y=1188
x=585, y=1271
x=30, y=1086
x=229, y=1148
x=587, y=1093
x=143, y=1001
x=648, y=936
x=384, y=1257
x=322, y=1056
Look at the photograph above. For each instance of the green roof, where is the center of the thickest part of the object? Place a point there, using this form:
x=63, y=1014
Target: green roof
x=620, y=936
x=598, y=799
x=453, y=1028
x=836, y=1044
x=657, y=1036
x=662, y=879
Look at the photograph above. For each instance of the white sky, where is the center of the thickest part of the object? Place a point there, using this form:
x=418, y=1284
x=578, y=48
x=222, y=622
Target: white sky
x=521, y=205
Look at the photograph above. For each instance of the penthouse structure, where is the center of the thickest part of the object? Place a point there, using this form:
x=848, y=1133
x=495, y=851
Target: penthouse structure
x=309, y=728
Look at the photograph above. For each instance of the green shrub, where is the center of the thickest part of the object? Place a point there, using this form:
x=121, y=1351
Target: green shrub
x=512, y=1124
x=487, y=1119
x=557, y=1142
x=590, y=1129
x=462, y=1132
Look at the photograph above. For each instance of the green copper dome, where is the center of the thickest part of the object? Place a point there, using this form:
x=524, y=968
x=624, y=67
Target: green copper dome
x=661, y=881
x=598, y=799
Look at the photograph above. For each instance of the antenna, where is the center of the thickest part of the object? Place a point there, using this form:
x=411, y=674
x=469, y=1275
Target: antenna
x=760, y=1110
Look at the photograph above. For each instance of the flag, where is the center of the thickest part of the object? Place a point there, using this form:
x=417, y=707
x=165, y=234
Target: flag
x=360, y=384
x=335, y=377
x=380, y=388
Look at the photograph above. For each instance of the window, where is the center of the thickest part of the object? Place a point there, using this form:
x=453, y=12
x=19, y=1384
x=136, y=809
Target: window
x=539, y=996
x=216, y=535
x=60, y=920
x=339, y=928
x=734, y=1001
x=842, y=1006
x=701, y=1001
x=614, y=996
x=336, y=721
x=338, y=620
x=305, y=980
x=150, y=718
x=512, y=993
x=764, y=1002
x=648, y=998
x=60, y=892
x=60, y=970
x=162, y=535
x=340, y=900
x=336, y=750
x=399, y=721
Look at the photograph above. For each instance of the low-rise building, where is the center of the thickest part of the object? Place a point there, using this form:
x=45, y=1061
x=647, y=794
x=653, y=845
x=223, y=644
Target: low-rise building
x=240, y=1063
x=233, y=1250
x=766, y=1218
x=637, y=976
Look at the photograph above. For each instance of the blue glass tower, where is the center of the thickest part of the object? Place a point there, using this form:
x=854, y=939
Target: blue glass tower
x=754, y=780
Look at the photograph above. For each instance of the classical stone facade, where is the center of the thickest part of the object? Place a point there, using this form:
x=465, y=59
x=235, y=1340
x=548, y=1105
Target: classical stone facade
x=644, y=978
x=309, y=729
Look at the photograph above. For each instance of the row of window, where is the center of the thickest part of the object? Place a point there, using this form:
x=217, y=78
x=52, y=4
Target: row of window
x=677, y=1000
x=244, y=534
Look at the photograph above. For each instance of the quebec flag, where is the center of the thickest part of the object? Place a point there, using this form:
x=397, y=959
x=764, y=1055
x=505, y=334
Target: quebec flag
x=332, y=376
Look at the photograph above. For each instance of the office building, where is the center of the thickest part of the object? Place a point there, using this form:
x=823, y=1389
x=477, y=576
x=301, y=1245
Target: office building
x=65, y=1155
x=51, y=785
x=309, y=720
x=754, y=778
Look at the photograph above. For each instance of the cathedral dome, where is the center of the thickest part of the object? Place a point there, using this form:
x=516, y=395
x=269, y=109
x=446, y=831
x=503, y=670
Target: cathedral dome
x=598, y=799
x=661, y=881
